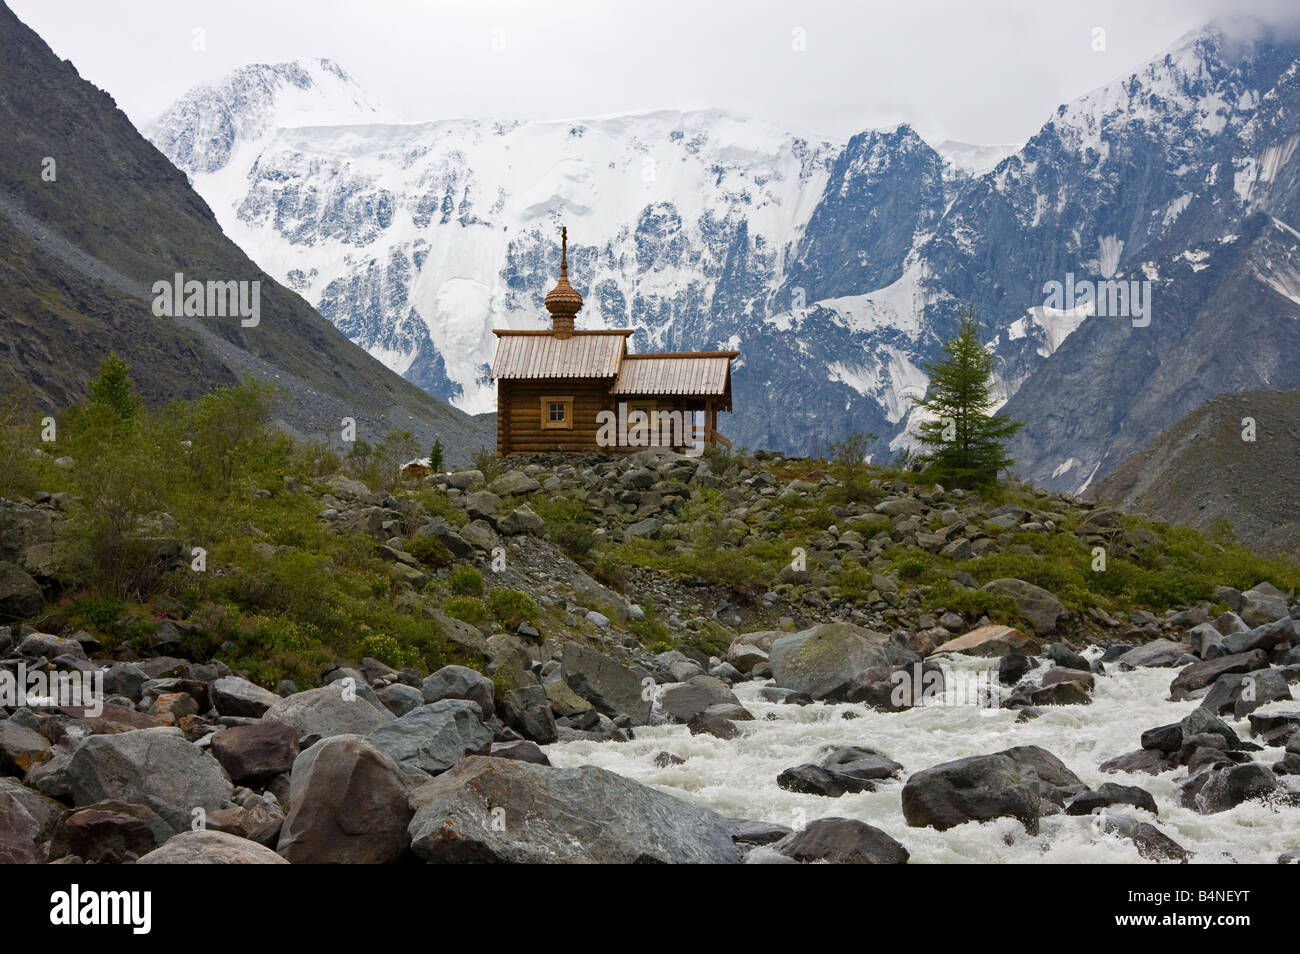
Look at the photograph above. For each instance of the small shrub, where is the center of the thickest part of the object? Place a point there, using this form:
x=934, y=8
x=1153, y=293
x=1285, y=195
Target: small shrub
x=486, y=461
x=429, y=550
x=465, y=580
x=512, y=607
x=466, y=608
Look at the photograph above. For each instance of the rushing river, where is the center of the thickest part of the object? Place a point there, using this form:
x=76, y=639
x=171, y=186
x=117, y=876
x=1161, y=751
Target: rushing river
x=738, y=777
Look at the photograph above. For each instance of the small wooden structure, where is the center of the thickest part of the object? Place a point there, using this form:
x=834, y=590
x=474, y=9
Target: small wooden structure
x=577, y=391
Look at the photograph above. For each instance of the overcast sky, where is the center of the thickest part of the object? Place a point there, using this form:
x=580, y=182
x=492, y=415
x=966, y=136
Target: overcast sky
x=986, y=71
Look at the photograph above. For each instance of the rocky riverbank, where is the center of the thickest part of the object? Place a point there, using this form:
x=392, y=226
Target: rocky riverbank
x=667, y=701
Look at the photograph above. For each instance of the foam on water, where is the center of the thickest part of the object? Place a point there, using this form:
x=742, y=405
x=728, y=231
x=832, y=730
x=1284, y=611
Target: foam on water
x=738, y=777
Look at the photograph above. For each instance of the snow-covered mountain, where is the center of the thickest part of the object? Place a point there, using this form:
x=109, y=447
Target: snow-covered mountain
x=835, y=267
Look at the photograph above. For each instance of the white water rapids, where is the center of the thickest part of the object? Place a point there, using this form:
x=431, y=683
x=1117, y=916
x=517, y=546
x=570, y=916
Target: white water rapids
x=738, y=777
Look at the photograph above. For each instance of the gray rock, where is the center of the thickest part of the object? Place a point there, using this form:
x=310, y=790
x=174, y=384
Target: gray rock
x=522, y=749
x=234, y=696
x=514, y=482
x=328, y=711
x=399, y=698
x=528, y=711
x=1262, y=604
x=975, y=788
x=1280, y=632
x=464, y=479
x=501, y=810
x=460, y=682
x=825, y=658
x=211, y=848
x=1217, y=789
x=35, y=645
x=610, y=687
x=1108, y=794
x=1201, y=674
x=1151, y=842
x=841, y=841
x=436, y=736
x=522, y=520
x=348, y=804
x=1242, y=694
x=1034, y=603
x=20, y=595
x=153, y=767
x=1158, y=652
x=683, y=700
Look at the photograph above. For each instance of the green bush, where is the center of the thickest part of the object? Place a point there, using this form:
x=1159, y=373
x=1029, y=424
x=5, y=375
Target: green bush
x=971, y=603
x=429, y=550
x=570, y=523
x=387, y=650
x=512, y=607
x=465, y=580
x=466, y=608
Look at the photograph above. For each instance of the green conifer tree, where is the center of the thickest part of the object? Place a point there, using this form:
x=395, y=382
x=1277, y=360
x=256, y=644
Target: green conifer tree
x=964, y=445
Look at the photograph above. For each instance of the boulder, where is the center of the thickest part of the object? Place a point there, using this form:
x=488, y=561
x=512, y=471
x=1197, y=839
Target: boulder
x=502, y=810
x=1108, y=794
x=745, y=657
x=604, y=682
x=1158, y=652
x=109, y=832
x=152, y=767
x=348, y=804
x=1242, y=694
x=1034, y=603
x=21, y=747
x=234, y=696
x=522, y=520
x=521, y=749
x=1280, y=632
x=683, y=700
x=810, y=779
x=975, y=788
x=211, y=848
x=1219, y=788
x=434, y=737
x=20, y=595
x=328, y=711
x=514, y=482
x=1262, y=604
x=990, y=640
x=827, y=657
x=399, y=698
x=460, y=682
x=528, y=711
x=842, y=841
x=254, y=754
x=1151, y=842
x=1201, y=674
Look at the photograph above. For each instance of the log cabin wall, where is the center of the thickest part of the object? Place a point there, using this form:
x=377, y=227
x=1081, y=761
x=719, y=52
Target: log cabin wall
x=522, y=415
x=519, y=415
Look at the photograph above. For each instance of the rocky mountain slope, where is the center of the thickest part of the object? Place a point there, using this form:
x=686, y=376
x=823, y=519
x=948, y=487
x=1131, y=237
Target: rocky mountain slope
x=1202, y=470
x=92, y=215
x=647, y=608
x=837, y=268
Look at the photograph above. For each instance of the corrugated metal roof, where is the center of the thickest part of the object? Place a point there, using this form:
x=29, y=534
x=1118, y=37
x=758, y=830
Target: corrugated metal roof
x=673, y=374
x=585, y=355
